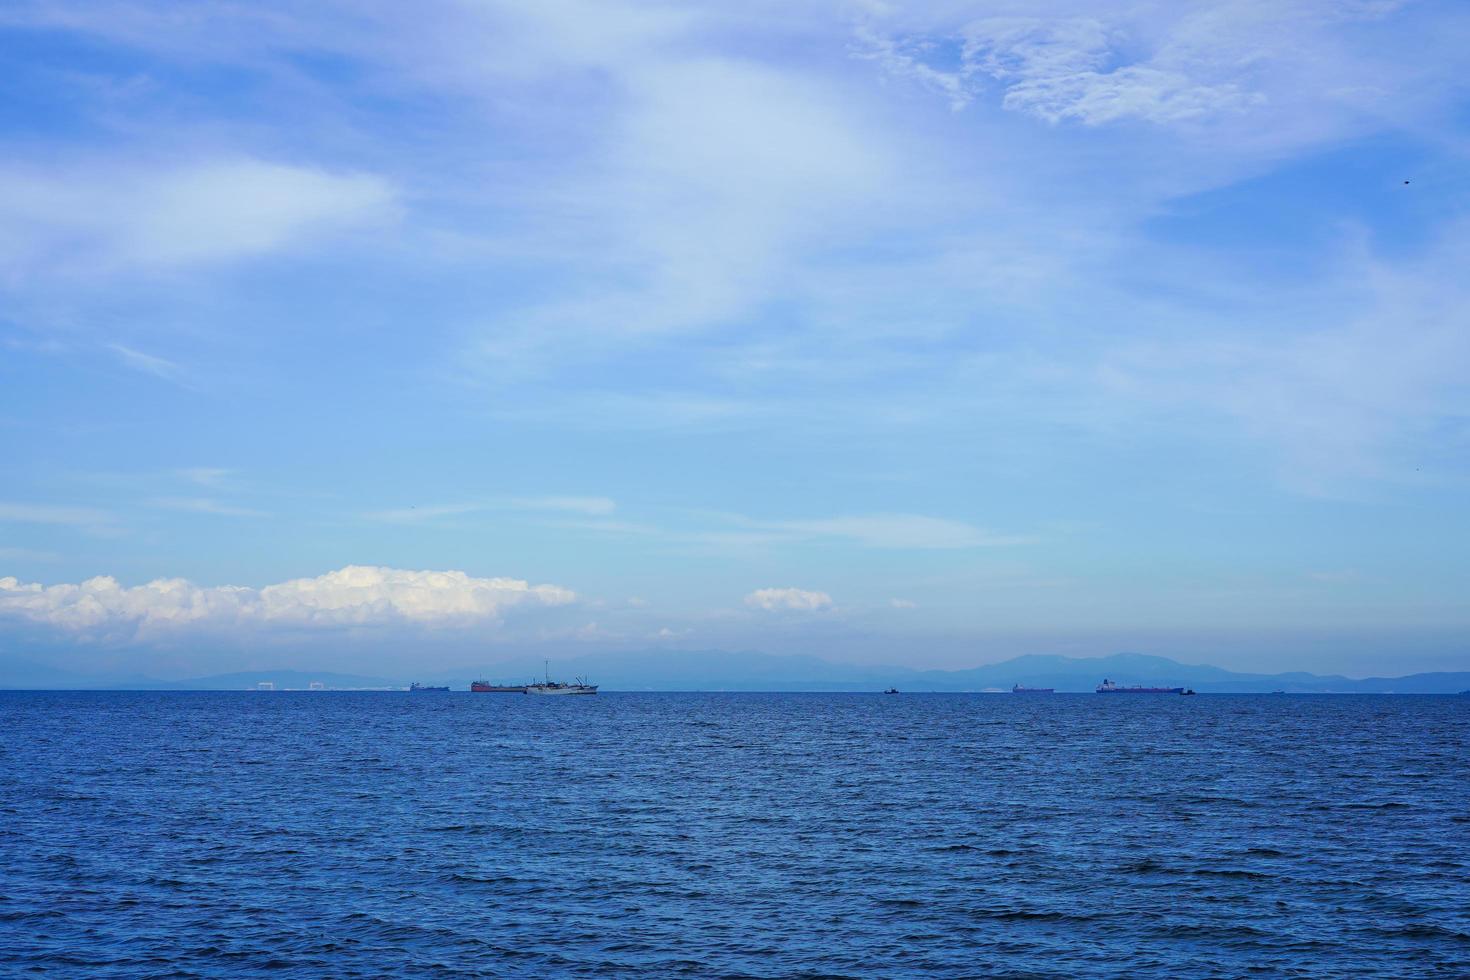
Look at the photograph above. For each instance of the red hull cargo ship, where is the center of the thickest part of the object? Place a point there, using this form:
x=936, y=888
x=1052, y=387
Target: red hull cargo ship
x=485, y=687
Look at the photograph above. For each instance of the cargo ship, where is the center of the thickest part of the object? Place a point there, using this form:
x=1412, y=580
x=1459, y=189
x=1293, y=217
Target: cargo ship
x=485, y=687
x=557, y=687
x=1108, y=687
x=416, y=687
x=1018, y=689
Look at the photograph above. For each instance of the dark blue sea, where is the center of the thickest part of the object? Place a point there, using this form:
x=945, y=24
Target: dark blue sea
x=733, y=835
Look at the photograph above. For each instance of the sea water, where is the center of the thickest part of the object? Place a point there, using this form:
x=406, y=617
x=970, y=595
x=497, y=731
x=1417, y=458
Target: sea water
x=742, y=835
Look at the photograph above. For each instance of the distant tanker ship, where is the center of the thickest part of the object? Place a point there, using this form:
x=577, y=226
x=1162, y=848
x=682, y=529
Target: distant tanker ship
x=1108, y=687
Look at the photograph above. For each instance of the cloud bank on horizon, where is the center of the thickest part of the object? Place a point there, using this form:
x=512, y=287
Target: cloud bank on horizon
x=353, y=596
x=998, y=326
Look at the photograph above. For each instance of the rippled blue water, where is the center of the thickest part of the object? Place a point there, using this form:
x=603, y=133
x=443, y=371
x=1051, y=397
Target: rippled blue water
x=734, y=835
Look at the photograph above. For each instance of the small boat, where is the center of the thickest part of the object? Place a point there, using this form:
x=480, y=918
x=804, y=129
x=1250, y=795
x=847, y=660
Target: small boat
x=1188, y=690
x=1018, y=689
x=891, y=690
x=417, y=688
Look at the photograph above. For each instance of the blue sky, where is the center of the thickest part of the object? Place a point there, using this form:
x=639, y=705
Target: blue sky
x=361, y=335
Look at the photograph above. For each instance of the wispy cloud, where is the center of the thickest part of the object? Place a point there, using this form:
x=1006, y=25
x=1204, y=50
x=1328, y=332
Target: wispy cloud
x=738, y=532
x=602, y=525
x=1338, y=576
x=595, y=506
x=159, y=367
x=1345, y=398
x=103, y=217
x=1159, y=63
x=205, y=505
x=892, y=531
x=206, y=476
x=1065, y=69
x=898, y=531
x=414, y=514
x=51, y=514
x=788, y=600
x=27, y=554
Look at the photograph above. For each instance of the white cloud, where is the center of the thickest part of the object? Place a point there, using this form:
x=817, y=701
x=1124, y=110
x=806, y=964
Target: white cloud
x=368, y=594
x=796, y=600
x=356, y=595
x=109, y=218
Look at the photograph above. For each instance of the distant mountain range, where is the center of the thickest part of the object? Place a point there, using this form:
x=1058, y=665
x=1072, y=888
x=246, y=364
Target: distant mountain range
x=723, y=671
